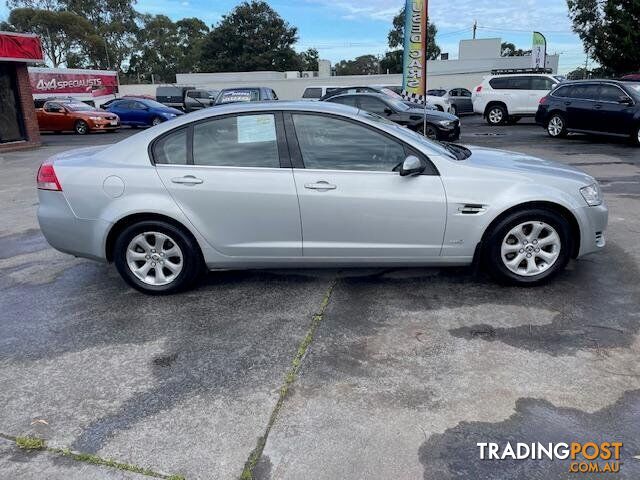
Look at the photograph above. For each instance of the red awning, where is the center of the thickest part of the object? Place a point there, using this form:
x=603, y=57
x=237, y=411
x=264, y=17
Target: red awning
x=20, y=47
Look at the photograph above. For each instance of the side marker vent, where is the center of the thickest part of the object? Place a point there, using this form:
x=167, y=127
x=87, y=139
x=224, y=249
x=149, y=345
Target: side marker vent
x=471, y=209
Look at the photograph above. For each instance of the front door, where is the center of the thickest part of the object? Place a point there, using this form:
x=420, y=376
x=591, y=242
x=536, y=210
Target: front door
x=232, y=186
x=352, y=204
x=615, y=116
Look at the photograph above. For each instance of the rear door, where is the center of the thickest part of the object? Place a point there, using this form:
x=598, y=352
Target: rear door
x=580, y=106
x=353, y=205
x=463, y=100
x=232, y=178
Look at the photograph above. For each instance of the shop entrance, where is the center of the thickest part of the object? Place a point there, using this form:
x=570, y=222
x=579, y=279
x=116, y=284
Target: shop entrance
x=11, y=121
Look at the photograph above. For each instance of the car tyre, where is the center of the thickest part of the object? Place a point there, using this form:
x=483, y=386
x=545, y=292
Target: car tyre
x=635, y=138
x=431, y=132
x=81, y=127
x=528, y=247
x=156, y=121
x=143, y=247
x=454, y=110
x=497, y=115
x=557, y=126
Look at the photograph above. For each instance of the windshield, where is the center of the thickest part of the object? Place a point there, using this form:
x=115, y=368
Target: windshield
x=79, y=107
x=231, y=96
x=436, y=93
x=398, y=104
x=634, y=87
x=454, y=152
x=390, y=93
x=154, y=104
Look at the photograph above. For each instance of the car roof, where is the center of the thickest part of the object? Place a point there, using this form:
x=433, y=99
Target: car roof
x=591, y=80
x=363, y=94
x=241, y=88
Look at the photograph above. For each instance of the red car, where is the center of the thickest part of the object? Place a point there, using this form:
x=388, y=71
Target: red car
x=71, y=115
x=634, y=77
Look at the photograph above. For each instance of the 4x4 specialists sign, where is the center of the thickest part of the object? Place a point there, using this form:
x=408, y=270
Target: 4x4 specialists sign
x=71, y=81
x=414, y=85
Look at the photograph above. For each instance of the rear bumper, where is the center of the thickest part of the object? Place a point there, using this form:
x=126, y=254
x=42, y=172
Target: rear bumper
x=541, y=117
x=66, y=232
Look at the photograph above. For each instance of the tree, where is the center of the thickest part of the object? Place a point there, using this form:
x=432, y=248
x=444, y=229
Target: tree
x=396, y=36
x=158, y=50
x=363, y=65
x=309, y=60
x=252, y=37
x=392, y=62
x=609, y=31
x=191, y=34
x=509, y=50
x=61, y=32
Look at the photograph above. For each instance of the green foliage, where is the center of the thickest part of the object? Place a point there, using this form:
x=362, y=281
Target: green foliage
x=609, y=31
x=30, y=443
x=363, y=65
x=509, y=50
x=309, y=60
x=252, y=37
x=396, y=36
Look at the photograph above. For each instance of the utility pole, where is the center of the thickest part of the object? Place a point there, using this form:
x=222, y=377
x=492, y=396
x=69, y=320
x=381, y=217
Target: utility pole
x=475, y=28
x=586, y=65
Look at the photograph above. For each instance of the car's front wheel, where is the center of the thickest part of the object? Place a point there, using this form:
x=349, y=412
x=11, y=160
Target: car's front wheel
x=157, y=257
x=454, y=110
x=528, y=247
x=557, y=126
x=156, y=121
x=81, y=127
x=636, y=137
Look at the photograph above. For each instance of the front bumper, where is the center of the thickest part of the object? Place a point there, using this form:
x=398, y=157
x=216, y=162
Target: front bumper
x=66, y=232
x=593, y=227
x=100, y=125
x=449, y=134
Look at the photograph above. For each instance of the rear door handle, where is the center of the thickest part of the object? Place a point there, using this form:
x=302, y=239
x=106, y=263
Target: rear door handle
x=598, y=107
x=187, y=180
x=321, y=186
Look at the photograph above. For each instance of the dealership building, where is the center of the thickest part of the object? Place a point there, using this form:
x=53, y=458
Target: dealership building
x=18, y=122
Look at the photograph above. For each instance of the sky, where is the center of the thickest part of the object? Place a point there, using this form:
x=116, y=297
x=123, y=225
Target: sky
x=344, y=29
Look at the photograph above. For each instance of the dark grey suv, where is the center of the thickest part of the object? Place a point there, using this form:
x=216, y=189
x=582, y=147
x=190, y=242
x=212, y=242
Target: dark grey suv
x=606, y=107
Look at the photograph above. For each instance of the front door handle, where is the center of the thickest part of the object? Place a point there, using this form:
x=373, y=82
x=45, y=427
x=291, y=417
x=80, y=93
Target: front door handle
x=598, y=107
x=321, y=186
x=187, y=180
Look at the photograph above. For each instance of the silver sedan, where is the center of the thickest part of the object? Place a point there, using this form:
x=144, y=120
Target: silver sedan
x=307, y=184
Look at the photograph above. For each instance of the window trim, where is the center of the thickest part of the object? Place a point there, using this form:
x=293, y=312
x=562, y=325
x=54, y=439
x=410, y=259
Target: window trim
x=608, y=84
x=281, y=140
x=296, y=153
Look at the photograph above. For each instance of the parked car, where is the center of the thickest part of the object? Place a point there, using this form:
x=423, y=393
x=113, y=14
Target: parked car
x=141, y=97
x=592, y=106
x=316, y=92
x=39, y=102
x=440, y=125
x=634, y=77
x=72, y=115
x=373, y=89
x=246, y=94
x=459, y=98
x=140, y=112
x=503, y=99
x=438, y=102
x=231, y=188
x=187, y=99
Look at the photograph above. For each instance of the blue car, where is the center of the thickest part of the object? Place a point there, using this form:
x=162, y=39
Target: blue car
x=141, y=112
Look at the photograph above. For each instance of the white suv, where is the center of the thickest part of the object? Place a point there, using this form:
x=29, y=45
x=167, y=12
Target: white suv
x=505, y=99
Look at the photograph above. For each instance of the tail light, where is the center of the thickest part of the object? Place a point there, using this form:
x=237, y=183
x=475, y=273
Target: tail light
x=544, y=100
x=478, y=88
x=47, y=178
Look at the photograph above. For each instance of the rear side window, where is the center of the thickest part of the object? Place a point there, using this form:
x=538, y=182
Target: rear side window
x=520, y=83
x=373, y=105
x=237, y=141
x=585, y=92
x=499, y=83
x=562, y=92
x=171, y=149
x=312, y=93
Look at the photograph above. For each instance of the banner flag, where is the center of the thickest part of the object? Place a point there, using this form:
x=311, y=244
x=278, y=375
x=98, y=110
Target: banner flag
x=539, y=51
x=414, y=83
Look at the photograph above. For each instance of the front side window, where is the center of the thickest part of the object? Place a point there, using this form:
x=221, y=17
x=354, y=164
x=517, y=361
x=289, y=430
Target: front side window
x=328, y=143
x=350, y=101
x=237, y=141
x=465, y=93
x=373, y=105
x=53, y=107
x=611, y=93
x=171, y=149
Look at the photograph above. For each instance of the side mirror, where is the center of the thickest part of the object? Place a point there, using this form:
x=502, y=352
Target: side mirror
x=624, y=100
x=61, y=110
x=412, y=166
x=388, y=111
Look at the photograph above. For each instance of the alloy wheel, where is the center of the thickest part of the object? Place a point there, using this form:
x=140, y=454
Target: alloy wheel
x=154, y=258
x=556, y=126
x=81, y=128
x=531, y=248
x=432, y=134
x=156, y=121
x=496, y=116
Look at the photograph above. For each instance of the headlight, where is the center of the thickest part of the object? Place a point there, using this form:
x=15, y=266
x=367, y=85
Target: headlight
x=169, y=115
x=445, y=123
x=95, y=119
x=591, y=195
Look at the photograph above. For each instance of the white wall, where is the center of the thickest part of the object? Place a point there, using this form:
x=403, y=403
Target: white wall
x=440, y=73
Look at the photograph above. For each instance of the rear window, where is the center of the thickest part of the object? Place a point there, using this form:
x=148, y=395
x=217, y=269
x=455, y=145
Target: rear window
x=562, y=92
x=312, y=93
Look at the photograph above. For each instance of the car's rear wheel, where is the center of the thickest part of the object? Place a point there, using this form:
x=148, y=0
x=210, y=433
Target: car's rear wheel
x=528, y=247
x=497, y=115
x=557, y=126
x=454, y=110
x=636, y=138
x=81, y=127
x=156, y=121
x=157, y=257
